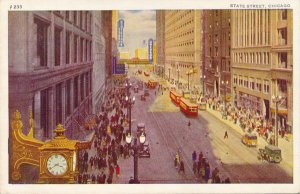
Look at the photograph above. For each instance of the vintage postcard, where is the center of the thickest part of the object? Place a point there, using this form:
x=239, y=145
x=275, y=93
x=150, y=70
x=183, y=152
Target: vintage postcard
x=172, y=96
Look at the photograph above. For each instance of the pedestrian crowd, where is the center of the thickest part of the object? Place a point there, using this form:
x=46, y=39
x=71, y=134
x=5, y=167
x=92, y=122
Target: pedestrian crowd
x=249, y=120
x=202, y=169
x=109, y=142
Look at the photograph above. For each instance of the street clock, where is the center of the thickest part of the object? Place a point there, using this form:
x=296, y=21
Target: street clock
x=58, y=159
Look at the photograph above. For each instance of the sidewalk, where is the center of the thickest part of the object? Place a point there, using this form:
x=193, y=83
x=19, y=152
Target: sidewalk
x=285, y=146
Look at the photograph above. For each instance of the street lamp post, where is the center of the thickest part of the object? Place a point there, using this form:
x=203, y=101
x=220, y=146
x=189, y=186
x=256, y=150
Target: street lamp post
x=130, y=102
x=225, y=83
x=203, y=78
x=276, y=100
x=169, y=73
x=178, y=78
x=135, y=149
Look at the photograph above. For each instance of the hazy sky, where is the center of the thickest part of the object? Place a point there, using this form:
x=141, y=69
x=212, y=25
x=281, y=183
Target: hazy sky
x=139, y=26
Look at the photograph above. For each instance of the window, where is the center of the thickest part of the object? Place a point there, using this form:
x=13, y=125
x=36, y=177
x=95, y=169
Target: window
x=283, y=14
x=75, y=17
x=58, y=104
x=87, y=84
x=76, y=92
x=42, y=41
x=252, y=83
x=266, y=86
x=68, y=51
x=68, y=98
x=240, y=80
x=216, y=51
x=246, y=85
x=80, y=19
x=81, y=50
x=235, y=79
x=67, y=15
x=86, y=50
x=282, y=86
x=81, y=87
x=258, y=85
x=282, y=60
x=282, y=36
x=45, y=110
x=57, y=45
x=75, y=49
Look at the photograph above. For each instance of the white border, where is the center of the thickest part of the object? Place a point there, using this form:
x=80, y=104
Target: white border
x=153, y=188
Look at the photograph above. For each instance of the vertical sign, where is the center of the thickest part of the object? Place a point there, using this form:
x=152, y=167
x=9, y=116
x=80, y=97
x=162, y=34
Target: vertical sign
x=150, y=50
x=114, y=63
x=120, y=32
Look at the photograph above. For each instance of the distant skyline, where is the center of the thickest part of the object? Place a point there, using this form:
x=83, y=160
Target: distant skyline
x=139, y=26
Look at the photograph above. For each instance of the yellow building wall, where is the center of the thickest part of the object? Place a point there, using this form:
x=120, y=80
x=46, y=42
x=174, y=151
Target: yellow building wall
x=124, y=55
x=141, y=53
x=154, y=53
x=115, y=18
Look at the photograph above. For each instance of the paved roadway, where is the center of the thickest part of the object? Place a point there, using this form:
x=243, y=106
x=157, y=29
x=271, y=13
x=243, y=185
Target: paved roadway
x=167, y=132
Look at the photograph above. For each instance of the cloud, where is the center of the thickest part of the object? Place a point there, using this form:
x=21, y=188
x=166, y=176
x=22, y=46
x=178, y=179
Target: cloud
x=139, y=26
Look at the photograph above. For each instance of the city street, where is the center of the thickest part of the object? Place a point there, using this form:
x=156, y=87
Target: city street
x=167, y=132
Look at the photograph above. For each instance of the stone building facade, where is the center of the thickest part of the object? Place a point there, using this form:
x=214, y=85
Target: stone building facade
x=98, y=83
x=51, y=68
x=183, y=47
x=262, y=62
x=217, y=52
x=160, y=43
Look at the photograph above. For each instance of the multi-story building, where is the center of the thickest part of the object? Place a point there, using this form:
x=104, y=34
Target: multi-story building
x=160, y=42
x=262, y=61
x=124, y=55
x=110, y=45
x=282, y=66
x=183, y=47
x=50, y=68
x=141, y=53
x=98, y=86
x=217, y=52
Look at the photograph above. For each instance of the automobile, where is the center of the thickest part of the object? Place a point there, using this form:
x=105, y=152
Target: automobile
x=141, y=129
x=144, y=151
x=136, y=89
x=249, y=139
x=143, y=98
x=146, y=92
x=270, y=153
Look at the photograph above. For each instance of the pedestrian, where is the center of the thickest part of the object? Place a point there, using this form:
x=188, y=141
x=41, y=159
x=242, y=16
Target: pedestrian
x=117, y=170
x=207, y=172
x=226, y=135
x=131, y=180
x=109, y=179
x=195, y=167
x=227, y=180
x=194, y=156
x=189, y=124
x=214, y=174
x=181, y=168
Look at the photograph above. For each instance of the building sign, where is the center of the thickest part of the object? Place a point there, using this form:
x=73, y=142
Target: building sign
x=120, y=32
x=120, y=69
x=114, y=63
x=150, y=50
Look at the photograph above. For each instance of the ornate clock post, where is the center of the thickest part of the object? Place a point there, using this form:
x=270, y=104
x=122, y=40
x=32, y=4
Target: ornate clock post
x=58, y=159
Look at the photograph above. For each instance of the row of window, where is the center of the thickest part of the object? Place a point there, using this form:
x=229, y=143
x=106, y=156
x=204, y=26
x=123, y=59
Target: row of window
x=82, y=19
x=175, y=19
x=252, y=83
x=82, y=48
x=252, y=57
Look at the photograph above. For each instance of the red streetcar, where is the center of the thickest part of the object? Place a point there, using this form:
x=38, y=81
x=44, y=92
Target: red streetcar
x=188, y=108
x=175, y=97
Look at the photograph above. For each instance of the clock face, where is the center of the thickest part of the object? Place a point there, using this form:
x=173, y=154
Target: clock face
x=57, y=164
